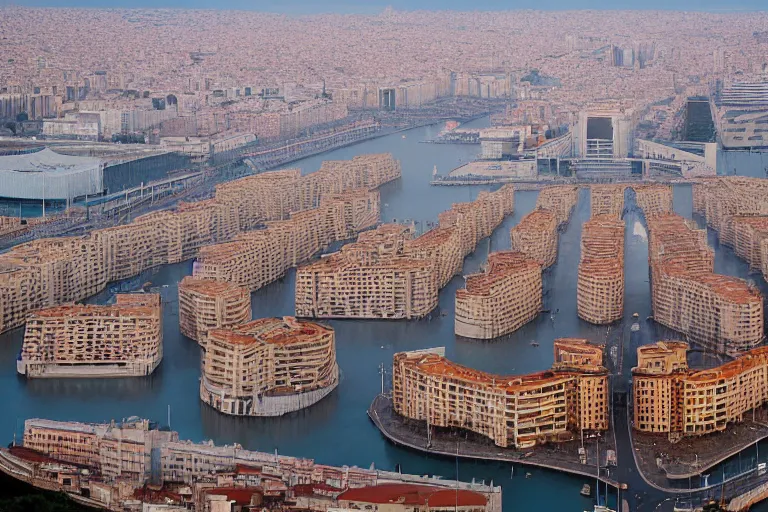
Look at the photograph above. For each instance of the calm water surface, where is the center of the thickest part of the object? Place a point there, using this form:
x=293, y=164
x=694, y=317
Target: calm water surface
x=337, y=430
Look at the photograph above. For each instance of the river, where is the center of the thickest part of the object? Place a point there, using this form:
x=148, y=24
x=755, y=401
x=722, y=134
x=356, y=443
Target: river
x=337, y=430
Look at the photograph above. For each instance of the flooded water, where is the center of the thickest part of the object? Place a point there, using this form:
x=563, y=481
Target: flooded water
x=337, y=429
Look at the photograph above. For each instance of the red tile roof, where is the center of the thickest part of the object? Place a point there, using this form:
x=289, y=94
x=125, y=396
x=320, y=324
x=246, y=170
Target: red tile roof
x=411, y=494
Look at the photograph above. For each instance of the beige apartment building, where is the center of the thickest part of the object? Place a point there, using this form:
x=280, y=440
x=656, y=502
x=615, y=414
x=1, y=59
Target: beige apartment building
x=332, y=204
x=268, y=367
x=518, y=411
x=256, y=258
x=115, y=450
x=607, y=200
x=124, y=339
x=720, y=312
x=560, y=200
x=653, y=199
x=600, y=285
x=388, y=274
x=536, y=235
x=671, y=398
x=500, y=300
x=205, y=304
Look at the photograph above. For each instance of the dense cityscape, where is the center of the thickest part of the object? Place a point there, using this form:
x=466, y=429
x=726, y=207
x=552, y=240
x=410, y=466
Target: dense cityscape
x=415, y=260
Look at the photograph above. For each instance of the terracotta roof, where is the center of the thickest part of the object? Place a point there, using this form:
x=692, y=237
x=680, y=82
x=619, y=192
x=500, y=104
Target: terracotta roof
x=411, y=494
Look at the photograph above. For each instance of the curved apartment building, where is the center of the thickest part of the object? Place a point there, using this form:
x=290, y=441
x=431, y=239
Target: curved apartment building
x=205, y=304
x=268, y=367
x=671, y=398
x=120, y=340
x=513, y=411
x=499, y=301
x=536, y=235
x=720, y=312
x=600, y=286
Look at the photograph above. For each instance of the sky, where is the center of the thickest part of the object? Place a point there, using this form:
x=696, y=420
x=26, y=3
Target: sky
x=374, y=6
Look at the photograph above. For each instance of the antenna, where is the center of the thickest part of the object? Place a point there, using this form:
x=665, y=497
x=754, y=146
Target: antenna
x=169, y=415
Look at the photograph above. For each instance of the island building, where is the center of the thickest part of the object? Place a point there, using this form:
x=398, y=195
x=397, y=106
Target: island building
x=268, y=367
x=653, y=199
x=518, y=411
x=719, y=312
x=500, y=300
x=607, y=200
x=49, y=272
x=136, y=465
x=536, y=235
x=671, y=398
x=205, y=304
x=560, y=200
x=600, y=285
x=389, y=274
x=120, y=340
x=737, y=208
x=259, y=257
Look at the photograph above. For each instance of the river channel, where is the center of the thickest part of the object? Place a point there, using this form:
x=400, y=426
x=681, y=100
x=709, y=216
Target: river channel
x=337, y=430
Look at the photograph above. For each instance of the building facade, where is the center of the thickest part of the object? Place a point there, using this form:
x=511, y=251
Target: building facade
x=502, y=299
x=268, y=367
x=513, y=411
x=122, y=340
x=671, y=398
x=205, y=304
x=600, y=285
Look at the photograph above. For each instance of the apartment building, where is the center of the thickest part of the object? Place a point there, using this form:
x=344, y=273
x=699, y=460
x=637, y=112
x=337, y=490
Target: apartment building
x=671, y=398
x=380, y=277
x=49, y=272
x=536, y=235
x=205, y=304
x=500, y=300
x=720, y=312
x=600, y=285
x=268, y=367
x=513, y=411
x=124, y=339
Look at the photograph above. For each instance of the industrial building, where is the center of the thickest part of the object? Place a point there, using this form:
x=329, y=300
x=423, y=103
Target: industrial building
x=388, y=274
x=48, y=272
x=205, y=304
x=720, y=312
x=671, y=398
x=268, y=367
x=50, y=176
x=500, y=300
x=121, y=340
x=517, y=411
x=600, y=286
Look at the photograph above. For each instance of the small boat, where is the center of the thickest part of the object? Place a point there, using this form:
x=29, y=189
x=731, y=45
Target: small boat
x=534, y=344
x=528, y=475
x=586, y=490
x=403, y=136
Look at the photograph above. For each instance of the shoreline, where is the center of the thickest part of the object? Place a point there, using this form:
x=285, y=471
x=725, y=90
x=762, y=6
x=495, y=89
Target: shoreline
x=511, y=457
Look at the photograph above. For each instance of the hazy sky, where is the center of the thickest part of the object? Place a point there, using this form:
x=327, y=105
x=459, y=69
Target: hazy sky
x=372, y=6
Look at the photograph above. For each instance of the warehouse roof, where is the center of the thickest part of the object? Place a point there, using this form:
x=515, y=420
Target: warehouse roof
x=48, y=161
